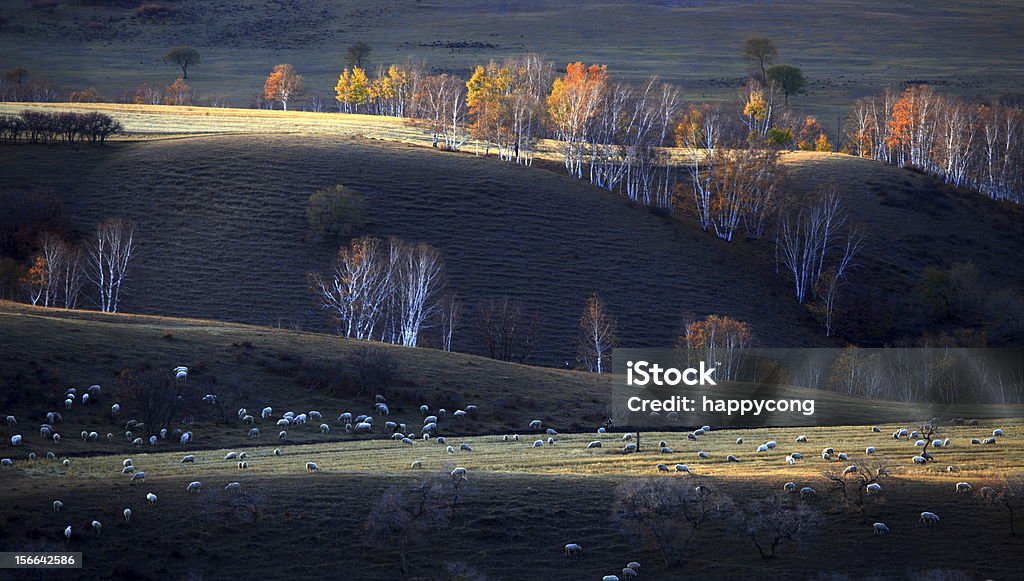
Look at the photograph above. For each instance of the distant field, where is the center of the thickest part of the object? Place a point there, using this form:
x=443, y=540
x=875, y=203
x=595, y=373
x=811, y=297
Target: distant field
x=846, y=49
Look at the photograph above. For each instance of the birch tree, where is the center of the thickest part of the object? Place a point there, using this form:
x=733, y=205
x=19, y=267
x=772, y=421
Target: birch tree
x=573, y=104
x=420, y=281
x=112, y=249
x=597, y=335
x=356, y=291
x=450, y=319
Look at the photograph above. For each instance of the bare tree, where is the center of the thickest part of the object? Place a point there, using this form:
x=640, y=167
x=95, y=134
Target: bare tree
x=597, y=335
x=404, y=515
x=852, y=482
x=667, y=512
x=509, y=333
x=1009, y=494
x=356, y=290
x=451, y=318
x=112, y=249
x=420, y=280
x=158, y=400
x=773, y=521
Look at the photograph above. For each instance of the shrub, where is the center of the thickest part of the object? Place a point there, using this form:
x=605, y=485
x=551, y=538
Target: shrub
x=367, y=369
x=336, y=212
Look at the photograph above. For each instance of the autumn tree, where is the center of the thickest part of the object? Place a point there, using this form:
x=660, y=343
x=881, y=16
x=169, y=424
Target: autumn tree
x=149, y=94
x=719, y=341
x=183, y=57
x=112, y=249
x=357, y=54
x=35, y=281
x=597, y=335
x=283, y=84
x=440, y=101
x=760, y=52
x=352, y=90
x=758, y=108
x=789, y=78
x=179, y=93
x=573, y=105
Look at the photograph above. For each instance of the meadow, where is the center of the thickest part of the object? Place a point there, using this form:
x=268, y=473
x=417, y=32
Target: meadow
x=846, y=51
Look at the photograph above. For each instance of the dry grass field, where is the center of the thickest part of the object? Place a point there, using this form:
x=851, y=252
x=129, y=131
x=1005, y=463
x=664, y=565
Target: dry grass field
x=846, y=50
x=521, y=504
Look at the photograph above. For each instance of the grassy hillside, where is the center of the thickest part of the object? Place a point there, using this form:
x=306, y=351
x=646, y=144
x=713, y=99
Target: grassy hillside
x=222, y=235
x=45, y=351
x=845, y=53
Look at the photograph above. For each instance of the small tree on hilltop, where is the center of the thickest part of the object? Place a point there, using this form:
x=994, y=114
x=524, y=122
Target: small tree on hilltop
x=184, y=57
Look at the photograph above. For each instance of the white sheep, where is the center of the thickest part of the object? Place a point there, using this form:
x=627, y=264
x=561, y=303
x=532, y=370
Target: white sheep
x=127, y=512
x=667, y=450
x=790, y=460
x=920, y=443
x=869, y=450
x=325, y=429
x=762, y=448
x=56, y=438
x=683, y=468
x=282, y=435
x=230, y=456
x=797, y=456
x=874, y=488
x=739, y=441
x=127, y=470
x=96, y=526
x=57, y=506
x=633, y=565
x=920, y=460
x=850, y=470
x=662, y=468
x=254, y=434
x=465, y=448
x=627, y=437
x=731, y=458
x=963, y=488
x=416, y=464
x=138, y=476
x=876, y=429
x=628, y=572
x=312, y=467
x=928, y=518
x=451, y=449
x=67, y=533
x=460, y=473
x=233, y=487
x=16, y=440
x=115, y=409
x=997, y=432
x=880, y=528
x=277, y=451
x=594, y=444
x=151, y=497
x=194, y=487
x=808, y=492
x=11, y=420
x=629, y=448
x=535, y=425
x=610, y=578
x=573, y=550
x=789, y=487
x=188, y=459
x=266, y=412
x=801, y=438
x=243, y=465
x=538, y=444
x=66, y=462
x=702, y=455
x=771, y=445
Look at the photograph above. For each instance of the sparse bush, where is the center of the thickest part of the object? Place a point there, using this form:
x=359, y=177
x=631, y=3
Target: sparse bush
x=336, y=212
x=774, y=521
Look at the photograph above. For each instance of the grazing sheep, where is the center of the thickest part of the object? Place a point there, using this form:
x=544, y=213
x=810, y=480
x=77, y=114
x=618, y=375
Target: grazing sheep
x=152, y=439
x=797, y=456
x=325, y=429
x=807, y=492
x=963, y=488
x=869, y=450
x=762, y=448
x=460, y=473
x=16, y=440
x=627, y=572
x=633, y=565
x=662, y=444
x=731, y=458
x=876, y=429
x=465, y=448
x=187, y=459
x=683, y=468
x=181, y=373
x=610, y=578
x=254, y=434
x=850, y=470
x=666, y=450
x=549, y=431
x=627, y=437
x=662, y=468
x=702, y=455
x=230, y=456
x=629, y=448
x=880, y=528
x=928, y=518
x=692, y=436
x=345, y=418
x=312, y=467
x=975, y=441
x=11, y=420
x=826, y=456
x=535, y=425
x=67, y=533
x=551, y=441
x=771, y=445
x=801, y=439
x=96, y=526
x=790, y=460
x=56, y=438
x=50, y=456
x=284, y=422
x=573, y=550
x=151, y=497
x=451, y=449
x=277, y=451
x=243, y=465
x=233, y=487
x=937, y=443
x=127, y=514
x=67, y=404
x=989, y=441
x=594, y=444
x=57, y=506
x=6, y=462
x=127, y=470
x=416, y=464
x=66, y=463
x=739, y=440
x=138, y=477
x=282, y=435
x=874, y=488
x=920, y=460
x=997, y=432
x=843, y=456
x=789, y=487
x=265, y=413
x=538, y=443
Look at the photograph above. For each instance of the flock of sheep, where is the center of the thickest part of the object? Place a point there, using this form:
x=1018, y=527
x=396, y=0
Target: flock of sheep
x=431, y=422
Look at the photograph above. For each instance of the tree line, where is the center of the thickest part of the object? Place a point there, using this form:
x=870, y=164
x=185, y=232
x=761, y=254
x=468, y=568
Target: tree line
x=66, y=127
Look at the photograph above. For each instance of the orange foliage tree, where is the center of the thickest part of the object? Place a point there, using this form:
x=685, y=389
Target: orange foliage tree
x=283, y=84
x=573, y=104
